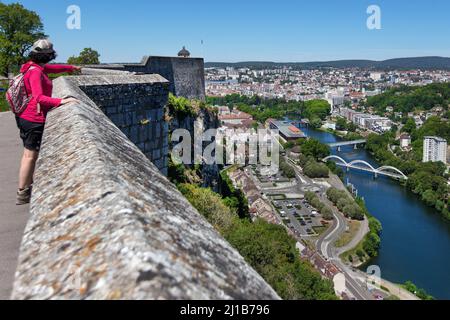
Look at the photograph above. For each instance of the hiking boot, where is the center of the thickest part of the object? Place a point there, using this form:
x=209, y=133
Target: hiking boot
x=23, y=196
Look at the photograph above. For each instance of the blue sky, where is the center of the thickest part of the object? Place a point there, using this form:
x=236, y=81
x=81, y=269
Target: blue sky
x=282, y=30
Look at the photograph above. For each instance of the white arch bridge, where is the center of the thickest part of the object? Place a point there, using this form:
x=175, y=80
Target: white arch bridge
x=365, y=166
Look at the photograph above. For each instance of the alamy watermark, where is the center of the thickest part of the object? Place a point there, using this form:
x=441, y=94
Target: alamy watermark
x=374, y=19
x=73, y=22
x=227, y=147
x=373, y=276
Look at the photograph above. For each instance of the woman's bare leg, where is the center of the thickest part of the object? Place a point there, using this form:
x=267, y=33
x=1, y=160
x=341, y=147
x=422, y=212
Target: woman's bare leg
x=27, y=168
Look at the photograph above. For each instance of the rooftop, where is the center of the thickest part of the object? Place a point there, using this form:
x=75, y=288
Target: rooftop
x=437, y=139
x=288, y=130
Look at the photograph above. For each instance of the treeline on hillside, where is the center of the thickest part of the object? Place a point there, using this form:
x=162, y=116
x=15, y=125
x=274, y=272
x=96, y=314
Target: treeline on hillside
x=433, y=63
x=428, y=180
x=434, y=126
x=262, y=109
x=408, y=99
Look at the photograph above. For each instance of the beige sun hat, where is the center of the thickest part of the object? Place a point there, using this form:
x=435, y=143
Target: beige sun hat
x=43, y=46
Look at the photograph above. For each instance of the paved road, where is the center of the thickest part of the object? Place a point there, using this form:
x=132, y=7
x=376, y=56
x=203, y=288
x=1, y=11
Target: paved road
x=325, y=243
x=12, y=218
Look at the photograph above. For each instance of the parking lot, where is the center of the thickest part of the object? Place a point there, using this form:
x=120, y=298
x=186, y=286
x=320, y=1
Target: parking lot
x=299, y=216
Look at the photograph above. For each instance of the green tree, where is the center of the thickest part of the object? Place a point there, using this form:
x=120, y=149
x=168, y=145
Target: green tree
x=341, y=124
x=334, y=194
x=287, y=169
x=310, y=196
x=327, y=214
x=315, y=122
x=19, y=29
x=410, y=126
x=317, y=109
x=87, y=56
x=210, y=205
x=351, y=127
x=343, y=202
x=430, y=197
x=316, y=203
x=371, y=244
x=316, y=149
x=352, y=210
x=314, y=169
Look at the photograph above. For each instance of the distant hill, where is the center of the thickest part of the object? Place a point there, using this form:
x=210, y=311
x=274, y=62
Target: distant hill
x=426, y=63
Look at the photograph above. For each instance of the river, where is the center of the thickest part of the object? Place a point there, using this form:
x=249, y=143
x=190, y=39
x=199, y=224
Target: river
x=415, y=243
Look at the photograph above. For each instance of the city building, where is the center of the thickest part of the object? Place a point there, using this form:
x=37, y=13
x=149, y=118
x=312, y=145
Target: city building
x=366, y=120
x=419, y=121
x=376, y=76
x=335, y=98
x=235, y=119
x=434, y=149
x=287, y=130
x=405, y=141
x=329, y=125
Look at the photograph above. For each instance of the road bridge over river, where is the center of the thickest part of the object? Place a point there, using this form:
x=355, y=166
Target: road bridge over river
x=365, y=166
x=341, y=144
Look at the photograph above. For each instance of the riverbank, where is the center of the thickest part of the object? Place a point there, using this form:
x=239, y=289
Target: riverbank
x=366, y=241
x=390, y=289
x=410, y=228
x=428, y=181
x=386, y=289
x=397, y=290
x=363, y=226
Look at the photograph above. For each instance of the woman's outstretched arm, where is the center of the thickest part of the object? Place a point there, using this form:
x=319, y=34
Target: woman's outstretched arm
x=60, y=68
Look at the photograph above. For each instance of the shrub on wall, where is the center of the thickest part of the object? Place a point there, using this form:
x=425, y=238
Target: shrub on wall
x=180, y=107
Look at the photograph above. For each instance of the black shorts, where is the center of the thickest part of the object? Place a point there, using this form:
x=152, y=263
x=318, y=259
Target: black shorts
x=30, y=133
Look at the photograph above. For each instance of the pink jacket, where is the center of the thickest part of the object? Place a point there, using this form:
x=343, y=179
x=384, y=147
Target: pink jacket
x=40, y=87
